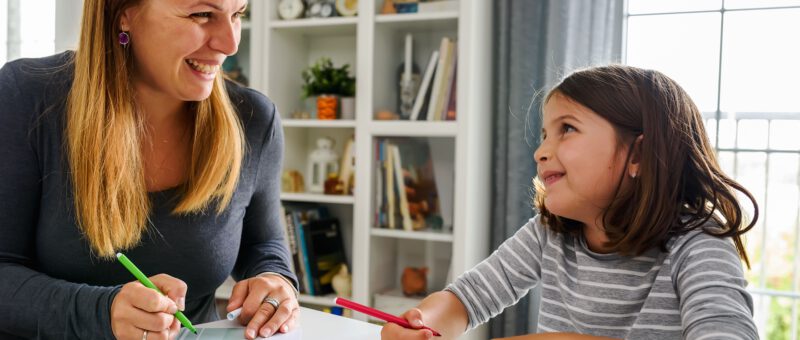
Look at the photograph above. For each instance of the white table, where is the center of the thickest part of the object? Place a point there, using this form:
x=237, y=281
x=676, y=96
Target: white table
x=313, y=325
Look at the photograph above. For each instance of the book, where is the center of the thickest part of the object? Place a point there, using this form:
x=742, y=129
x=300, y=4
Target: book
x=424, y=87
x=299, y=216
x=401, y=189
x=451, y=76
x=326, y=253
x=433, y=105
x=451, y=104
x=390, y=186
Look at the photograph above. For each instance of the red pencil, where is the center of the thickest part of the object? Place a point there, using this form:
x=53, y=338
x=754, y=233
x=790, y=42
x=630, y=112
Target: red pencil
x=378, y=314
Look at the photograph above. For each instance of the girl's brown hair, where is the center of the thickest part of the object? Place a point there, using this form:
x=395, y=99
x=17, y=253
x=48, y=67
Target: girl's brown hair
x=680, y=185
x=103, y=139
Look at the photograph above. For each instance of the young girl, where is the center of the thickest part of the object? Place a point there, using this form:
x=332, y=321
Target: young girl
x=638, y=234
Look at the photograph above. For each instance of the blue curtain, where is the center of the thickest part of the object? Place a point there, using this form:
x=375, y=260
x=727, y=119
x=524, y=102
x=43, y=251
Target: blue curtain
x=536, y=43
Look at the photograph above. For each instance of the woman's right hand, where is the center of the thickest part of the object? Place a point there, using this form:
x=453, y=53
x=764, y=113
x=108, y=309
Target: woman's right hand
x=137, y=309
x=414, y=317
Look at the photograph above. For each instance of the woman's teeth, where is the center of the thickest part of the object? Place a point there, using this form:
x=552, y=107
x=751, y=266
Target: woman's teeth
x=205, y=68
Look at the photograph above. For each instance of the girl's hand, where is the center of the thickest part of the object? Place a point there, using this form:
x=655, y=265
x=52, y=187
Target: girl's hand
x=138, y=312
x=261, y=317
x=395, y=331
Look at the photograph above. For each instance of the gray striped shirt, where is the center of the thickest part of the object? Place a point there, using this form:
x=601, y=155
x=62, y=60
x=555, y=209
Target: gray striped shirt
x=696, y=290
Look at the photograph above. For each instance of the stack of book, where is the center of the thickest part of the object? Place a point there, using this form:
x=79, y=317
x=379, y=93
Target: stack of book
x=314, y=240
x=436, y=98
x=406, y=193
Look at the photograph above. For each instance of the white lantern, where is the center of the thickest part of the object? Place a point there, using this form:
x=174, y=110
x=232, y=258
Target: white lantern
x=321, y=162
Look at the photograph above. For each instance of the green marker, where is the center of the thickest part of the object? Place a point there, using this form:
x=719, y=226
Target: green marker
x=149, y=284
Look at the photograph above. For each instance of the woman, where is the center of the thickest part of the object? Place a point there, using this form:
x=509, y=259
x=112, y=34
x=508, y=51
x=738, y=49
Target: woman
x=135, y=143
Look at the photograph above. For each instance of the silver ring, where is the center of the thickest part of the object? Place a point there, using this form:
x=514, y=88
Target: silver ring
x=144, y=335
x=272, y=302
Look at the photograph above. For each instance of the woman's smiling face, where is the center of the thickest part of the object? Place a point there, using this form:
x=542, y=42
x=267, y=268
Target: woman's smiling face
x=178, y=46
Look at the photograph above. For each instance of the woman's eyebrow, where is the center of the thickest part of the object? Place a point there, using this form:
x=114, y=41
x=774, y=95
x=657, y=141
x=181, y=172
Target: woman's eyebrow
x=218, y=7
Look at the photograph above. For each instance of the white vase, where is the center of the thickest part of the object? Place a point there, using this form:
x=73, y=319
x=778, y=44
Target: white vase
x=347, y=106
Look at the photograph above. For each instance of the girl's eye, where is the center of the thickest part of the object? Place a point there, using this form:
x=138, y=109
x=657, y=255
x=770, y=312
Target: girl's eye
x=568, y=128
x=239, y=15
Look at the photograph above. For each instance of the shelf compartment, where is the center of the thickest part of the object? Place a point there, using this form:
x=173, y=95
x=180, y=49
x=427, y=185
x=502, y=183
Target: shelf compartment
x=390, y=257
x=318, y=26
x=317, y=198
x=437, y=236
x=317, y=123
x=413, y=128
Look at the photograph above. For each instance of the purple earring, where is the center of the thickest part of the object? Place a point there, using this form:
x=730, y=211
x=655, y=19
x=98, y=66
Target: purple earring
x=124, y=38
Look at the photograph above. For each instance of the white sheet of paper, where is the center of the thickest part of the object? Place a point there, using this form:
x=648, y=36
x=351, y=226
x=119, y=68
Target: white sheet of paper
x=313, y=325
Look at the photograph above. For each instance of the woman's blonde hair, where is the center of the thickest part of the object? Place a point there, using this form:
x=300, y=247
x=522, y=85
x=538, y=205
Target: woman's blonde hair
x=104, y=140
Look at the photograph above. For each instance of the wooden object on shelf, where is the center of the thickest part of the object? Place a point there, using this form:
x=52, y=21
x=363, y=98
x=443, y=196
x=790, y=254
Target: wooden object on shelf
x=388, y=7
x=292, y=181
x=346, y=173
x=386, y=115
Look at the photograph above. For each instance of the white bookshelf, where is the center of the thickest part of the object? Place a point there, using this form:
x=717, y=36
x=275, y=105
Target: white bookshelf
x=372, y=44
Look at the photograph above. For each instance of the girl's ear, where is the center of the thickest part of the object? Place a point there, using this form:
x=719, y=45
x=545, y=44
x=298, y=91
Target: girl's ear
x=636, y=157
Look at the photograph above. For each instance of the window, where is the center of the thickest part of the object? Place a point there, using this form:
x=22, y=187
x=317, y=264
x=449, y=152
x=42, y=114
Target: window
x=27, y=29
x=740, y=62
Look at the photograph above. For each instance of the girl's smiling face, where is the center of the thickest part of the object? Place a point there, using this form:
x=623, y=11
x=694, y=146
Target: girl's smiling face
x=580, y=160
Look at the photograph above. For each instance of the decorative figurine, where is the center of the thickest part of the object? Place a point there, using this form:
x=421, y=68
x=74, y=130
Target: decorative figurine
x=414, y=281
x=408, y=81
x=321, y=162
x=342, y=282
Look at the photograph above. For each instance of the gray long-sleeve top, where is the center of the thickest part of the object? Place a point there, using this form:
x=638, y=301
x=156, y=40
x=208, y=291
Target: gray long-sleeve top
x=695, y=290
x=50, y=284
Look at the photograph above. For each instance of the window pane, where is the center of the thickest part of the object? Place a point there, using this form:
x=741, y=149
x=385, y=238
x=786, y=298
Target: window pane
x=688, y=51
x=781, y=219
x=752, y=134
x=727, y=133
x=760, y=65
x=662, y=6
x=783, y=134
x=733, y=4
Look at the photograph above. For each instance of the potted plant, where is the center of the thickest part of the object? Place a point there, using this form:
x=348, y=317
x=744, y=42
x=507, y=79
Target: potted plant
x=327, y=82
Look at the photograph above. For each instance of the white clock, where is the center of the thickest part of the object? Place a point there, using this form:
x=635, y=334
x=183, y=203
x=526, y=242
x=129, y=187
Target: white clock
x=327, y=10
x=347, y=8
x=291, y=9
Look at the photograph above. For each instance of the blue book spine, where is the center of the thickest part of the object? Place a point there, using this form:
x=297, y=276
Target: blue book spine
x=306, y=263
